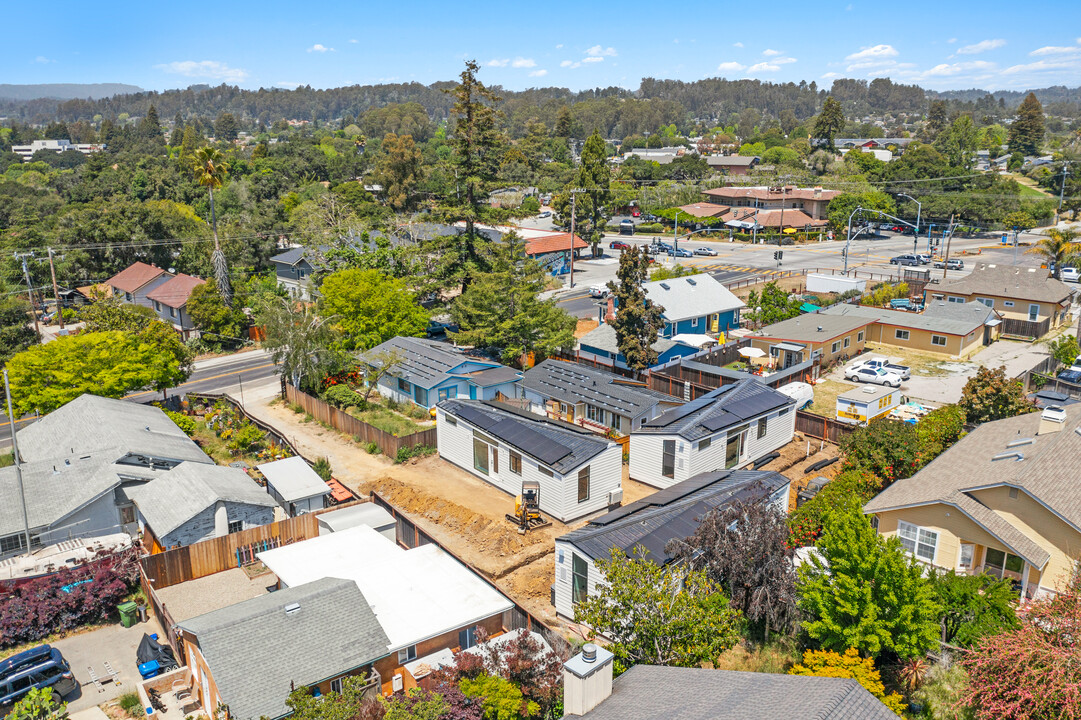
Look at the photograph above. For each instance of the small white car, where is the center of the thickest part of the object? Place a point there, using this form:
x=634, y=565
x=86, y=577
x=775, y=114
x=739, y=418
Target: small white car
x=598, y=291
x=877, y=376
x=707, y=251
x=903, y=370
x=1070, y=274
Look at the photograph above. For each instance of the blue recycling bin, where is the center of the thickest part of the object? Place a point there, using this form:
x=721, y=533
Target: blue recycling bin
x=149, y=669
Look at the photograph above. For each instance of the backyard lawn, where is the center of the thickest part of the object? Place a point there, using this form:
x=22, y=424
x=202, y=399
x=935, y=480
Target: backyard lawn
x=389, y=421
x=826, y=392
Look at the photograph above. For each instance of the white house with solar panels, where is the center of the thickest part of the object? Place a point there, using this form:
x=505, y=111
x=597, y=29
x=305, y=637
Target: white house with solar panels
x=578, y=471
x=725, y=429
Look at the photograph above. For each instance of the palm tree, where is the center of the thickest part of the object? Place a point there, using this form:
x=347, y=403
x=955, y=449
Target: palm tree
x=1058, y=248
x=210, y=168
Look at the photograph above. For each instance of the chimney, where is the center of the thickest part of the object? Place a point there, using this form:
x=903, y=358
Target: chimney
x=1052, y=419
x=587, y=680
x=818, y=191
x=610, y=314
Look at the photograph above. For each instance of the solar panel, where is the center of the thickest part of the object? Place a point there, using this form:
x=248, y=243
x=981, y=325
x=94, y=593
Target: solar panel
x=684, y=410
x=720, y=420
x=475, y=416
x=530, y=441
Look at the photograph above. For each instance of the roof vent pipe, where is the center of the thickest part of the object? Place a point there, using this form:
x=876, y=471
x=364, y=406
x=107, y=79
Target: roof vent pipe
x=589, y=653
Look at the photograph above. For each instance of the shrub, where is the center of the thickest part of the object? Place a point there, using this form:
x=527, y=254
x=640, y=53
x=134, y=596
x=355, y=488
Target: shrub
x=130, y=703
x=342, y=396
x=826, y=663
x=247, y=438
x=418, y=450
x=805, y=522
x=322, y=469
x=943, y=693
x=502, y=700
x=372, y=448
x=182, y=421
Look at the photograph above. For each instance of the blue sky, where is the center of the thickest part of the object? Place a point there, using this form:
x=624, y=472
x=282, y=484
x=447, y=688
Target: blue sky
x=940, y=45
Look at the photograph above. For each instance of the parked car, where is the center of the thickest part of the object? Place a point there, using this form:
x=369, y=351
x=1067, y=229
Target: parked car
x=951, y=264
x=619, y=245
x=877, y=362
x=707, y=251
x=40, y=667
x=598, y=291
x=1070, y=274
x=681, y=252
x=905, y=260
x=439, y=328
x=626, y=227
x=878, y=376
x=635, y=212
x=925, y=258
x=545, y=214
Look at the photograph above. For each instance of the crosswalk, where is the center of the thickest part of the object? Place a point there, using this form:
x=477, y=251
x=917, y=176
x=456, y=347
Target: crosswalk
x=745, y=269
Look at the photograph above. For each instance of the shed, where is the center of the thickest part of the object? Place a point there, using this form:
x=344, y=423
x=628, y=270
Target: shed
x=368, y=514
x=296, y=487
x=865, y=403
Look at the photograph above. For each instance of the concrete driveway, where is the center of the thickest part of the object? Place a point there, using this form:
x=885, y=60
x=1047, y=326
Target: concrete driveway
x=115, y=645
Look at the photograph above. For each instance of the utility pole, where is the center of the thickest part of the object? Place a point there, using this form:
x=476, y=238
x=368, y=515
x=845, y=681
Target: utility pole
x=56, y=291
x=574, y=217
x=18, y=463
x=29, y=289
x=848, y=240
x=949, y=238
x=1061, y=192
x=919, y=210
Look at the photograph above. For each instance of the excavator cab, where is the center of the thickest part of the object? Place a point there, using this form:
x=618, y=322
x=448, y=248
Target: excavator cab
x=527, y=508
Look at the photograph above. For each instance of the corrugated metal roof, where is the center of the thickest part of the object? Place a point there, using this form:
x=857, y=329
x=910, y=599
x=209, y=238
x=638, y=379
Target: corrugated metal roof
x=428, y=362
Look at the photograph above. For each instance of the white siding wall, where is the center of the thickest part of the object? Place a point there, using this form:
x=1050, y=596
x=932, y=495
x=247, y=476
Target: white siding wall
x=645, y=464
x=563, y=579
x=558, y=494
x=101, y=517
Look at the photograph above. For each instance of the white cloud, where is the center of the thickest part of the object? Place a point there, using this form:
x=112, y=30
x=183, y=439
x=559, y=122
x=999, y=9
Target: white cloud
x=353, y=41
x=763, y=67
x=951, y=69
x=1044, y=65
x=737, y=44
x=598, y=51
x=521, y=62
x=875, y=51
x=495, y=62
x=878, y=66
x=211, y=69
x=42, y=59
x=771, y=53
x=951, y=41
x=730, y=67
x=593, y=59
x=287, y=85
x=1058, y=49
x=559, y=46
x=538, y=73
x=570, y=64
x=981, y=46
x=320, y=48
x=827, y=76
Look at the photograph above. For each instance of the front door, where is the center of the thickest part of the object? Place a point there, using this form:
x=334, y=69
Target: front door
x=986, y=334
x=472, y=392
x=731, y=451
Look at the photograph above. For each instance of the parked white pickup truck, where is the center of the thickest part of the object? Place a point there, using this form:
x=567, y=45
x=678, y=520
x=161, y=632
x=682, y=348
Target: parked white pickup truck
x=880, y=362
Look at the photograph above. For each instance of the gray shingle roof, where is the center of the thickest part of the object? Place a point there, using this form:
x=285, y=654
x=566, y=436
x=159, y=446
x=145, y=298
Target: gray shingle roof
x=289, y=257
x=647, y=692
x=722, y=408
x=574, y=383
x=90, y=422
x=256, y=650
x=1047, y=472
x=190, y=488
x=520, y=428
x=603, y=337
x=804, y=328
x=1010, y=281
x=672, y=513
x=970, y=312
x=429, y=362
x=690, y=297
x=915, y=321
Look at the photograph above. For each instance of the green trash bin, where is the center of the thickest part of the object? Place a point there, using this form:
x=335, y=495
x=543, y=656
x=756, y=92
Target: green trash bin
x=129, y=614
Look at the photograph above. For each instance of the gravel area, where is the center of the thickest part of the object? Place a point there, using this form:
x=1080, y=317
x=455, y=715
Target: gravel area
x=206, y=594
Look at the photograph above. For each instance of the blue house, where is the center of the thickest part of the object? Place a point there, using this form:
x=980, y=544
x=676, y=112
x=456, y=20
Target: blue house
x=694, y=305
x=600, y=344
x=429, y=371
x=293, y=271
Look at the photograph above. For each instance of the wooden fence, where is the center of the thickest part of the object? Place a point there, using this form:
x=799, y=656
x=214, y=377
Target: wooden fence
x=223, y=553
x=165, y=618
x=361, y=431
x=677, y=387
x=820, y=427
x=1013, y=327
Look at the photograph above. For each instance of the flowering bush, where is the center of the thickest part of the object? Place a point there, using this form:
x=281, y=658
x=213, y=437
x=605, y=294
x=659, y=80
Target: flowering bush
x=825, y=663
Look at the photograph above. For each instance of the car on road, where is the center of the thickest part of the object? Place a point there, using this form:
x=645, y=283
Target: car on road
x=598, y=291
x=878, y=376
x=707, y=251
x=879, y=362
x=635, y=212
x=1070, y=274
x=925, y=258
x=545, y=214
x=42, y=667
x=905, y=260
x=619, y=245
x=626, y=227
x=681, y=252
x=951, y=264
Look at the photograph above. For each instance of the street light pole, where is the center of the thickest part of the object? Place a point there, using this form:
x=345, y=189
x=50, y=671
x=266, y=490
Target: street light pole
x=919, y=209
x=18, y=463
x=848, y=240
x=675, y=236
x=1061, y=192
x=574, y=216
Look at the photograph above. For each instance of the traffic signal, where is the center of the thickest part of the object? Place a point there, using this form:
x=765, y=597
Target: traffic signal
x=776, y=254
x=844, y=252
x=780, y=254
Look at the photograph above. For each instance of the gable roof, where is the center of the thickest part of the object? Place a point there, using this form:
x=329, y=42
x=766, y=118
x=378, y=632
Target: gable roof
x=332, y=632
x=293, y=478
x=603, y=337
x=691, y=296
x=575, y=383
x=646, y=692
x=553, y=243
x=190, y=488
x=672, y=513
x=561, y=446
x=1011, y=281
x=718, y=409
x=917, y=321
x=971, y=311
x=771, y=193
x=290, y=257
x=175, y=291
x=135, y=276
x=429, y=362
x=1047, y=472
x=90, y=422
x=805, y=328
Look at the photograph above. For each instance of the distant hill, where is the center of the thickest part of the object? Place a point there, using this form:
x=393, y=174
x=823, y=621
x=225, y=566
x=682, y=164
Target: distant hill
x=66, y=91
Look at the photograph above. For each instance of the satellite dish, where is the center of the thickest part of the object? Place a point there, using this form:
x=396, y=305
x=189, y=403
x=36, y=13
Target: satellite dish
x=172, y=270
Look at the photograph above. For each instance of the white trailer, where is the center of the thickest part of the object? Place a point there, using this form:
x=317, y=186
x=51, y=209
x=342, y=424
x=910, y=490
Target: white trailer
x=834, y=283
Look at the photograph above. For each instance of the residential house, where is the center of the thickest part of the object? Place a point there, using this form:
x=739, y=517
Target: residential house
x=577, y=471
x=1017, y=293
x=1003, y=500
x=293, y=271
x=26, y=152
x=369, y=513
x=296, y=487
x=736, y=165
x=661, y=155
x=957, y=330
x=426, y=601
x=552, y=250
x=593, y=398
x=812, y=203
x=816, y=335
x=728, y=428
x=646, y=692
x=697, y=304
x=895, y=144
x=195, y=502
x=135, y=282
x=645, y=527
x=600, y=345
x=430, y=371
x=170, y=302
x=237, y=658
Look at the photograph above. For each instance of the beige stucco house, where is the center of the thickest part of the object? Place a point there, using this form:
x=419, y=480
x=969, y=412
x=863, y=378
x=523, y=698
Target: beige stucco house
x=1018, y=293
x=799, y=339
x=953, y=329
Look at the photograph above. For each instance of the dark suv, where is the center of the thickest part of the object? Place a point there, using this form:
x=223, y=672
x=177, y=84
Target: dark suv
x=40, y=667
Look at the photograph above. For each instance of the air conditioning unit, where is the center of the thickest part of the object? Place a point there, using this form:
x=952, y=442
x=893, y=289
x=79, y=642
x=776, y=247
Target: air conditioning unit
x=397, y=683
x=615, y=497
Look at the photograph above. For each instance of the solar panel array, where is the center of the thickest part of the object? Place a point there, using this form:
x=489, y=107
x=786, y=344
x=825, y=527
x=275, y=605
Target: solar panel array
x=692, y=407
x=530, y=441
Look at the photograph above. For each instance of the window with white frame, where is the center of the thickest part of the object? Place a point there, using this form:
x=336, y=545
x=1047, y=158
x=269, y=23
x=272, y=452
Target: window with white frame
x=859, y=336
x=848, y=341
x=336, y=685
x=919, y=541
x=1008, y=303
x=953, y=299
x=407, y=654
x=901, y=334
x=704, y=443
x=986, y=301
x=236, y=526
x=939, y=340
x=835, y=346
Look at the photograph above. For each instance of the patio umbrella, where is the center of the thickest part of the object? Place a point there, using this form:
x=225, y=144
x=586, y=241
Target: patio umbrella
x=752, y=352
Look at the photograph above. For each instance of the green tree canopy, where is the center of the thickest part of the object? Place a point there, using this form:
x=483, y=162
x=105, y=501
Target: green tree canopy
x=841, y=207
x=990, y=395
x=1027, y=130
x=301, y=341
x=770, y=306
x=400, y=170
x=974, y=606
x=637, y=319
x=219, y=323
x=830, y=121
x=16, y=332
x=371, y=308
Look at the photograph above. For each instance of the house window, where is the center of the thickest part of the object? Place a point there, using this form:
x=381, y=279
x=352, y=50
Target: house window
x=336, y=685
x=835, y=347
x=733, y=449
x=404, y=385
x=127, y=296
x=668, y=459
x=704, y=443
x=127, y=514
x=1008, y=303
x=583, y=484
x=157, y=306
x=480, y=456
x=451, y=420
x=939, y=340
x=495, y=460
x=848, y=341
x=516, y=463
x=694, y=323
x=968, y=550
x=761, y=428
x=236, y=526
x=448, y=393
x=592, y=412
x=986, y=301
x=900, y=334
x=407, y=654
x=12, y=543
x=172, y=312
x=420, y=395
x=784, y=411
x=579, y=578
x=1002, y=564
x=467, y=638
x=1033, y=312
x=918, y=541
x=859, y=336
x=961, y=300
x=617, y=422
x=884, y=402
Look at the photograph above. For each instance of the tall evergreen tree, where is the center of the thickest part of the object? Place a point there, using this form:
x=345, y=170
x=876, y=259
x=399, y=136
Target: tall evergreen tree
x=637, y=318
x=936, y=119
x=595, y=176
x=829, y=122
x=150, y=128
x=225, y=128
x=177, y=136
x=1026, y=132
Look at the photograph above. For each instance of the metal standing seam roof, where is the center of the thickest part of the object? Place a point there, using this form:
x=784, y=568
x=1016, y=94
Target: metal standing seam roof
x=804, y=328
x=1011, y=281
x=672, y=513
x=175, y=291
x=575, y=383
x=915, y=321
x=428, y=362
x=190, y=488
x=135, y=276
x=293, y=479
x=690, y=297
x=259, y=649
x=560, y=446
x=368, y=513
x=646, y=692
x=716, y=410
